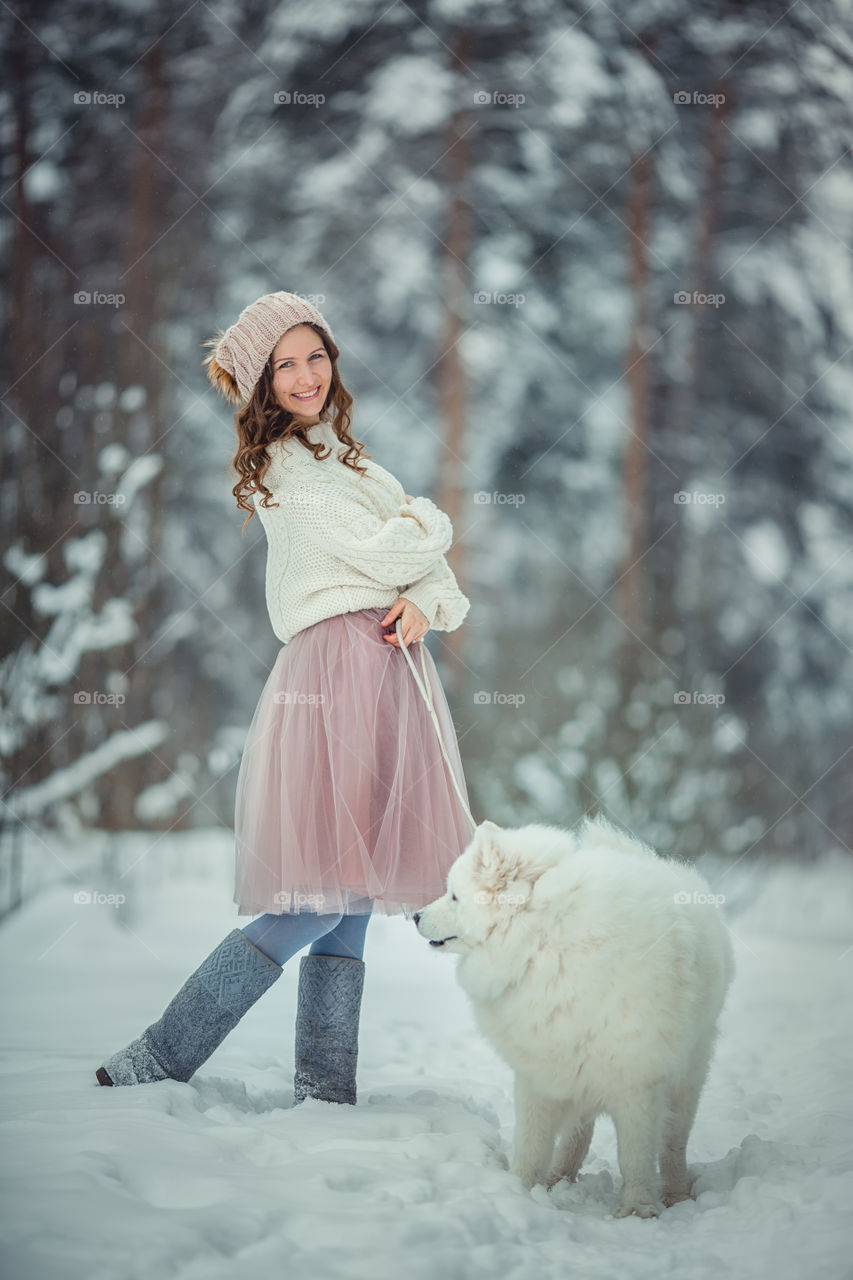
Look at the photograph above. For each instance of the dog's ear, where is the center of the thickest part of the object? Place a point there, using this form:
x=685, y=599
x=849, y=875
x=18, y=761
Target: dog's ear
x=487, y=858
x=495, y=867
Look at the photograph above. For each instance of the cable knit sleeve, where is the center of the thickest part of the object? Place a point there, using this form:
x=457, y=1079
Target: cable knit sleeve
x=437, y=595
x=340, y=521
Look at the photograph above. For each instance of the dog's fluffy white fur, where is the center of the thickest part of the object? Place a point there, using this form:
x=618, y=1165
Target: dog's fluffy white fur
x=597, y=969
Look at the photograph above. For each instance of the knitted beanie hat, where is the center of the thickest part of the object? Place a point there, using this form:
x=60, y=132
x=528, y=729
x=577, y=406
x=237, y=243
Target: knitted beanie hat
x=240, y=352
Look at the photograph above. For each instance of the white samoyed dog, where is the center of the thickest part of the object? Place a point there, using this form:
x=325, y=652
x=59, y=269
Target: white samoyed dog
x=598, y=970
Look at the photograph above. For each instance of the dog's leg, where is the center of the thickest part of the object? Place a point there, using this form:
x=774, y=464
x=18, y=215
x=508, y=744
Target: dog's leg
x=639, y=1131
x=571, y=1147
x=681, y=1112
x=536, y=1119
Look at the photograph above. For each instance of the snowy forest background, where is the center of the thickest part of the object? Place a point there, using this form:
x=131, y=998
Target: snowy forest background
x=589, y=261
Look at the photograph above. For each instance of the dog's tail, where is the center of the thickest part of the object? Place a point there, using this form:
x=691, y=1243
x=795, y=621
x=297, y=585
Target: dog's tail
x=598, y=830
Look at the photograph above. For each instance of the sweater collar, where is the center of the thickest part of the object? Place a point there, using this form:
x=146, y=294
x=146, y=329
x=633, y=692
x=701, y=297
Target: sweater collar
x=322, y=433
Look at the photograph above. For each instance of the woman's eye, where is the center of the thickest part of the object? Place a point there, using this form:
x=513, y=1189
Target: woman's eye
x=454, y=898
x=318, y=355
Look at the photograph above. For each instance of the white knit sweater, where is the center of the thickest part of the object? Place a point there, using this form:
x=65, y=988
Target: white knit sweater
x=339, y=541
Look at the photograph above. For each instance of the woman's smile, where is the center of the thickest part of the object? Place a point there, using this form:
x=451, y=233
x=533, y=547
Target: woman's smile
x=302, y=373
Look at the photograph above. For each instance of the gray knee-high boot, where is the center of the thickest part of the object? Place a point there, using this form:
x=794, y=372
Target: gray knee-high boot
x=209, y=1005
x=327, y=1014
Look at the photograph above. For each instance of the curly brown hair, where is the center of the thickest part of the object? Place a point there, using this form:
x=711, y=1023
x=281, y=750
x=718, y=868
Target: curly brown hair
x=263, y=420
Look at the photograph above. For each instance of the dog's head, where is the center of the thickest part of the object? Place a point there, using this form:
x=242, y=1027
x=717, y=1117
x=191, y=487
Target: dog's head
x=486, y=886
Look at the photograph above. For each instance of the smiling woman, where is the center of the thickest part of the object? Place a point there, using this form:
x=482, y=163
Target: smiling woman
x=345, y=799
x=302, y=373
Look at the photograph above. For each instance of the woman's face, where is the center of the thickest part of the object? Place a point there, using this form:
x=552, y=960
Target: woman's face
x=301, y=364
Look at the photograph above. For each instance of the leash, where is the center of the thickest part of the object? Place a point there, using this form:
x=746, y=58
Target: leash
x=426, y=693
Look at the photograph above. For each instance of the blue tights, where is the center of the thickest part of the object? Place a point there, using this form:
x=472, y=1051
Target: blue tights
x=281, y=936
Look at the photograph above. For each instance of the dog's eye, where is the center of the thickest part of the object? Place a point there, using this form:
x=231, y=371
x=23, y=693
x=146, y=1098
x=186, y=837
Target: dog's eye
x=453, y=898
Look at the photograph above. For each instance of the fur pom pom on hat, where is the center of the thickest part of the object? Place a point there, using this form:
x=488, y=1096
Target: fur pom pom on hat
x=240, y=352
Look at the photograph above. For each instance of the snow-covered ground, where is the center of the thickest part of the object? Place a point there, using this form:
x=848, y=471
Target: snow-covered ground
x=221, y=1177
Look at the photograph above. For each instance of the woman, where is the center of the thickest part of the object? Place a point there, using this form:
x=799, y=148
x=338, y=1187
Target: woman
x=344, y=802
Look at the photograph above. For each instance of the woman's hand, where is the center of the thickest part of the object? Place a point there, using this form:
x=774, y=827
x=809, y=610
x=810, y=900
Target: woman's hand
x=415, y=624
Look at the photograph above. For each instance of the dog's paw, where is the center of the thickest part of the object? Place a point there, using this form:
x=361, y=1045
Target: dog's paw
x=529, y=1178
x=642, y=1208
x=669, y=1198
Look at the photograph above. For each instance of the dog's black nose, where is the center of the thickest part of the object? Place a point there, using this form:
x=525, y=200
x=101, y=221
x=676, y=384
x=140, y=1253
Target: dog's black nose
x=416, y=917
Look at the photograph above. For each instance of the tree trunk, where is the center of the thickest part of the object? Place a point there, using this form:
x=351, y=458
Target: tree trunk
x=635, y=495
x=135, y=362
x=450, y=373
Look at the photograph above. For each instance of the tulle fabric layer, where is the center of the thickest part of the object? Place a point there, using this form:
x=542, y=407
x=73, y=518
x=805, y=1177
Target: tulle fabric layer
x=344, y=802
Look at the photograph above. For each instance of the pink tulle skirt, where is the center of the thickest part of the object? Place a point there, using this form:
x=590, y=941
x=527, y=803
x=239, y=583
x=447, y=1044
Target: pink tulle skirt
x=343, y=794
